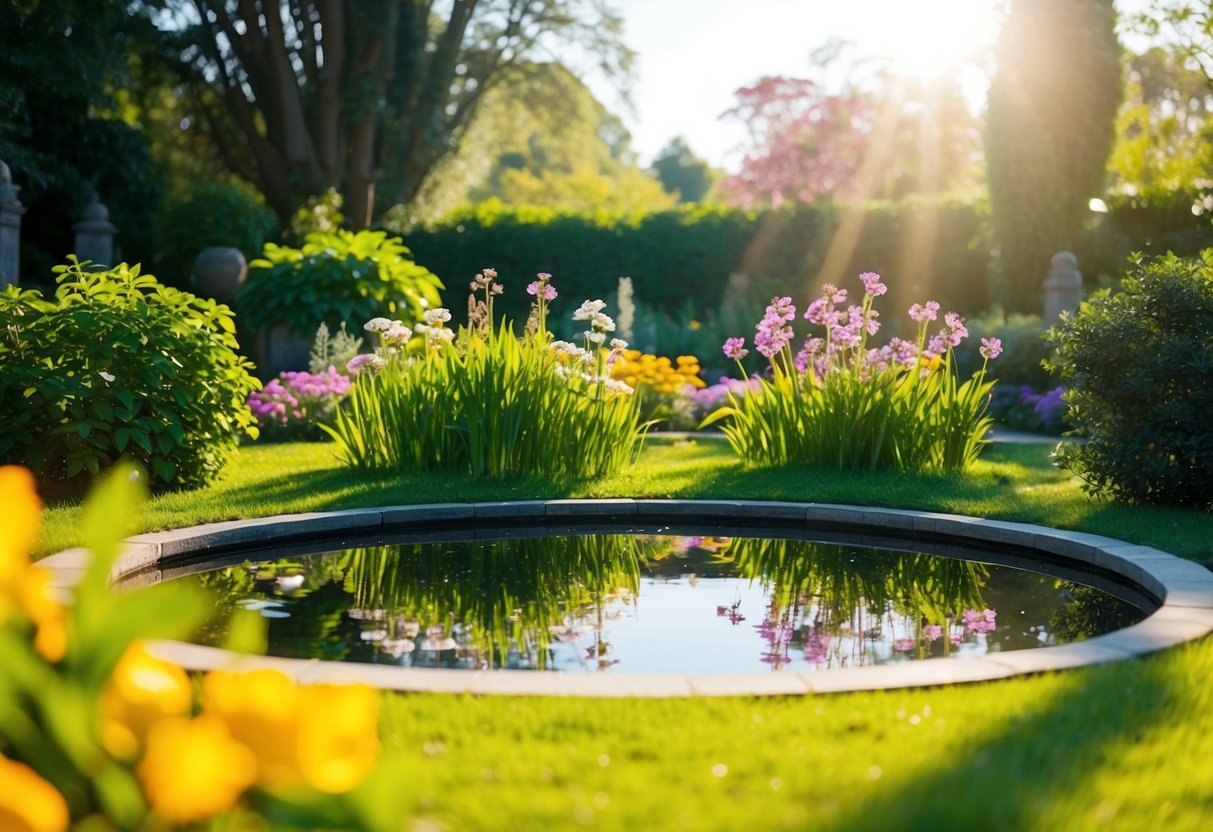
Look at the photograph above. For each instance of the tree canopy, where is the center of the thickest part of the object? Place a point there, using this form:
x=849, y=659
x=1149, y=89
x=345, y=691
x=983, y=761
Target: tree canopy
x=364, y=96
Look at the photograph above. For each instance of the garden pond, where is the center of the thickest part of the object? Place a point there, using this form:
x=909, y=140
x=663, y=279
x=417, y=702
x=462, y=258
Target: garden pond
x=656, y=600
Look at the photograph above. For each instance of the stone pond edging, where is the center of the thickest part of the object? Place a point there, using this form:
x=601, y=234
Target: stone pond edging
x=1184, y=590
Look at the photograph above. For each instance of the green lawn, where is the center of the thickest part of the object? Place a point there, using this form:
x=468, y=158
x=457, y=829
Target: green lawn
x=1124, y=746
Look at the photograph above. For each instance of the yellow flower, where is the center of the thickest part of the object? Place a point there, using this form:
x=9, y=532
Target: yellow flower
x=142, y=691
x=262, y=710
x=193, y=769
x=27, y=802
x=49, y=616
x=19, y=518
x=323, y=735
x=339, y=741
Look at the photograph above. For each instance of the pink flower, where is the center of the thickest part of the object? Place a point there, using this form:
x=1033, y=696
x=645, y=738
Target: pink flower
x=991, y=348
x=932, y=631
x=734, y=348
x=903, y=645
x=922, y=314
x=872, y=285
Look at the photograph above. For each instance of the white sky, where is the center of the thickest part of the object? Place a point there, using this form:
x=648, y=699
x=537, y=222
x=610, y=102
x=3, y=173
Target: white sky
x=692, y=55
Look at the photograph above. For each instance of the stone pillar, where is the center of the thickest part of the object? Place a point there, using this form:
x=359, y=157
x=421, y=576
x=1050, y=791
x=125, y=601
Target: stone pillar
x=1063, y=287
x=11, y=210
x=95, y=235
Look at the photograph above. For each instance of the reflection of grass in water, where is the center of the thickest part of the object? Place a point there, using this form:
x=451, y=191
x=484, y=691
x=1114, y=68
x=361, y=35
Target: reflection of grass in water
x=508, y=593
x=842, y=579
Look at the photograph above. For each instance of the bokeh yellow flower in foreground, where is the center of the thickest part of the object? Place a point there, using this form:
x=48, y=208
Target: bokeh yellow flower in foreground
x=27, y=802
x=193, y=769
x=23, y=587
x=141, y=691
x=325, y=736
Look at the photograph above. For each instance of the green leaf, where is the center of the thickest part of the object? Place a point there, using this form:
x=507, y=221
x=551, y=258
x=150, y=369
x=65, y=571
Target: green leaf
x=108, y=517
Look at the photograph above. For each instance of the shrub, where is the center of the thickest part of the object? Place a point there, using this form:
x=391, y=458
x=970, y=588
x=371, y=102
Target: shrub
x=487, y=402
x=211, y=214
x=119, y=366
x=1138, y=370
x=338, y=277
x=290, y=407
x=837, y=404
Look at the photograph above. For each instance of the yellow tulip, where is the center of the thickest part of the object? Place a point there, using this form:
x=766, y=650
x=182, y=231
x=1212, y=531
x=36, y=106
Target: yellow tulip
x=27, y=802
x=142, y=691
x=263, y=711
x=193, y=769
x=19, y=518
x=339, y=741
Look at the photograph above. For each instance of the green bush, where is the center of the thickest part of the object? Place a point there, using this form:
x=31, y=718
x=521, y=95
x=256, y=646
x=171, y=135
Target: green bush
x=1138, y=368
x=335, y=278
x=211, y=214
x=928, y=248
x=119, y=365
x=1154, y=224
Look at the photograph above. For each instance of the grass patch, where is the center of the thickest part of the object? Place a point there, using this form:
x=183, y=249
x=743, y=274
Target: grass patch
x=1116, y=747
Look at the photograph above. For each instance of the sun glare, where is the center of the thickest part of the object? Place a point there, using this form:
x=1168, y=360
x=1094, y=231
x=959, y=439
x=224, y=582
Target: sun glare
x=931, y=38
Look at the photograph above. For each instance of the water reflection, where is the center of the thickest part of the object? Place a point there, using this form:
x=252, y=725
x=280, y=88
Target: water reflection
x=646, y=603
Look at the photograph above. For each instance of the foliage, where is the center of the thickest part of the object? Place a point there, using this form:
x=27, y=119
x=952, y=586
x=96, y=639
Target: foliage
x=681, y=172
x=60, y=134
x=936, y=247
x=120, y=366
x=337, y=277
x=332, y=350
x=1024, y=349
x=362, y=98
x=1153, y=223
x=836, y=404
x=95, y=728
x=211, y=214
x=1138, y=369
x=491, y=404
x=1049, y=131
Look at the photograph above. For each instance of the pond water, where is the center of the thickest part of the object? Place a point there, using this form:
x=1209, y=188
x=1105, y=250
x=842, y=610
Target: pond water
x=650, y=603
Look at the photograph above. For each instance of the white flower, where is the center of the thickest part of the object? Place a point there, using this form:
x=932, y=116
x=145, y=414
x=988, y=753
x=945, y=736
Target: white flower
x=618, y=344
x=603, y=322
x=439, y=315
x=366, y=361
x=588, y=309
x=618, y=386
x=596, y=337
x=437, y=334
x=109, y=377
x=397, y=333
x=377, y=325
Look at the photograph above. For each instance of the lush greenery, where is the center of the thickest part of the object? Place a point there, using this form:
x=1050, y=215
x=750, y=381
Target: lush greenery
x=836, y=404
x=689, y=254
x=488, y=402
x=211, y=214
x=1138, y=365
x=1049, y=130
x=337, y=277
x=118, y=365
x=1083, y=749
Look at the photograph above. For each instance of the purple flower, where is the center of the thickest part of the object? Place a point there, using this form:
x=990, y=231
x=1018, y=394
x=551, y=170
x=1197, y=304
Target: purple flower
x=734, y=348
x=991, y=348
x=872, y=285
x=922, y=314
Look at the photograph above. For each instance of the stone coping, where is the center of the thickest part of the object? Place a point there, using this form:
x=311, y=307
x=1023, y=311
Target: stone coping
x=1183, y=590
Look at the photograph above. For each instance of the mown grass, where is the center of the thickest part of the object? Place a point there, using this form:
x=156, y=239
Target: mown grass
x=1122, y=746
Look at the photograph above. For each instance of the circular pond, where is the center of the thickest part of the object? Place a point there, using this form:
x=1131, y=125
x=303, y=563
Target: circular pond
x=657, y=600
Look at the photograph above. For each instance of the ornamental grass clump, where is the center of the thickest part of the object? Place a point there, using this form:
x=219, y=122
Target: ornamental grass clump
x=484, y=401
x=839, y=403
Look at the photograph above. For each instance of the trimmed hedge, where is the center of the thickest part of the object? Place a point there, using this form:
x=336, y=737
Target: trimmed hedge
x=689, y=253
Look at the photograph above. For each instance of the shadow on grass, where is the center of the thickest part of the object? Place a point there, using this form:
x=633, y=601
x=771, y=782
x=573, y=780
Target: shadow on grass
x=1011, y=778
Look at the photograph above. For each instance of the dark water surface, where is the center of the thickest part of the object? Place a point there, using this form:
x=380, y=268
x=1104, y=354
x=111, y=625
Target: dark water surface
x=646, y=603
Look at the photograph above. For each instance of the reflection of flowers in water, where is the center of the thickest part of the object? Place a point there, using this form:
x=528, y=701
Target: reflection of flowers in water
x=979, y=622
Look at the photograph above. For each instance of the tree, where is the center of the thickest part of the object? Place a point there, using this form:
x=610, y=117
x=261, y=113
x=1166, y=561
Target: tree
x=61, y=131
x=364, y=96
x=683, y=173
x=1049, y=130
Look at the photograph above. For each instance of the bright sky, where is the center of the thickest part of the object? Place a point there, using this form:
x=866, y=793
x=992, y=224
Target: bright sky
x=694, y=54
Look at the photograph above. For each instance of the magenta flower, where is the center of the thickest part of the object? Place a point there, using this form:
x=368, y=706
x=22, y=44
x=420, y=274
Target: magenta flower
x=734, y=348
x=872, y=285
x=991, y=348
